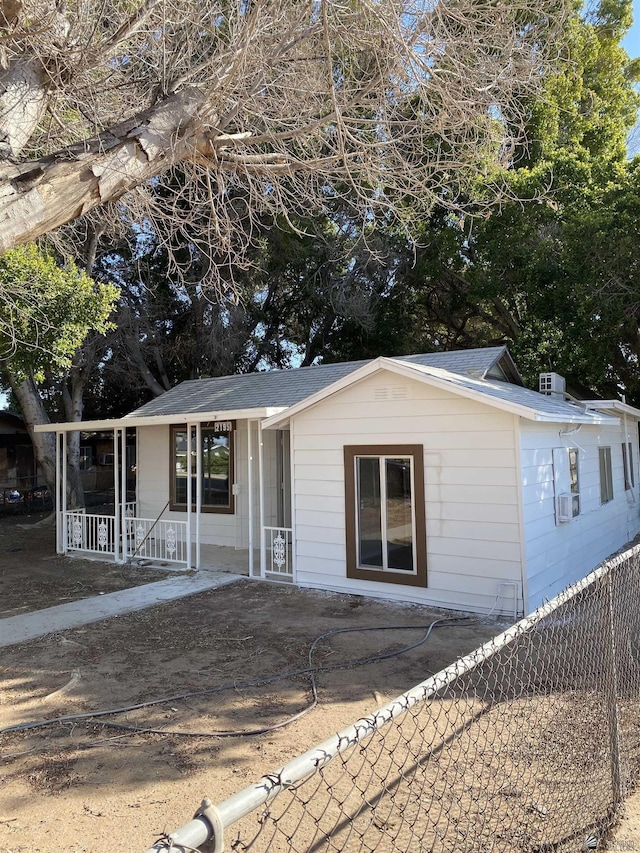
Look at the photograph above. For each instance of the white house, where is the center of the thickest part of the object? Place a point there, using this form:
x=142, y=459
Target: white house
x=435, y=478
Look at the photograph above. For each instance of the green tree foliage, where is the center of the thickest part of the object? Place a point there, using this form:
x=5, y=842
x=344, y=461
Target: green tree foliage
x=46, y=311
x=554, y=273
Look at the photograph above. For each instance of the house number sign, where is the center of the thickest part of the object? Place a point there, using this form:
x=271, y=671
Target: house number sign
x=222, y=426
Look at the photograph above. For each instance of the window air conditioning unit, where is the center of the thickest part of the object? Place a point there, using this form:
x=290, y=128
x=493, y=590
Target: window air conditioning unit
x=568, y=507
x=552, y=384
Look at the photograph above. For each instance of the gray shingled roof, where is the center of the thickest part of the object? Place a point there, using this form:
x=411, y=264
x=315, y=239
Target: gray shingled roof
x=542, y=404
x=277, y=388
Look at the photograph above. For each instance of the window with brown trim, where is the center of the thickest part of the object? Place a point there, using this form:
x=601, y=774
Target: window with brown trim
x=216, y=441
x=385, y=513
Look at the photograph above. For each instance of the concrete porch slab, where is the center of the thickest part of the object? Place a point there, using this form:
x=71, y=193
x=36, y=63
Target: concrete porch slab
x=20, y=629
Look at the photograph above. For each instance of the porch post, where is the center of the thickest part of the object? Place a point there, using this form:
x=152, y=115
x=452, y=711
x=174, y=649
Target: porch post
x=198, y=489
x=189, y=490
x=137, y=469
x=263, y=550
x=250, y=492
x=60, y=519
x=292, y=501
x=116, y=495
x=123, y=485
x=64, y=482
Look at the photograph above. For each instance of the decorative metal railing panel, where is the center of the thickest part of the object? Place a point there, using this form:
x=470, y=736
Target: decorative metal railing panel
x=165, y=540
x=87, y=532
x=278, y=549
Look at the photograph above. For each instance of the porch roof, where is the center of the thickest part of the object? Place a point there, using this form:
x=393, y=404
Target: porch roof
x=132, y=420
x=616, y=406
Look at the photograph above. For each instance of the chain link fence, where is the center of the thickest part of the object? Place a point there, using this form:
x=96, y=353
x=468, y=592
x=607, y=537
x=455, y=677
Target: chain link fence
x=527, y=745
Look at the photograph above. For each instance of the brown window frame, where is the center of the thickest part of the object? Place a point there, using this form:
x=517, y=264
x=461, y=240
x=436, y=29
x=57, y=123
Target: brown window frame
x=355, y=572
x=229, y=509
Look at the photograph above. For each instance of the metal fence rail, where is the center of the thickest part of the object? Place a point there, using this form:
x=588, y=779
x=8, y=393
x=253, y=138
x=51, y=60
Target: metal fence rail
x=527, y=745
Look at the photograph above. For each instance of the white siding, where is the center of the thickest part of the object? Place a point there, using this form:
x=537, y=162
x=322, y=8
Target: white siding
x=215, y=528
x=558, y=554
x=474, y=541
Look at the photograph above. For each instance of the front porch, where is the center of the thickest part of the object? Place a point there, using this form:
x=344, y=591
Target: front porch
x=138, y=524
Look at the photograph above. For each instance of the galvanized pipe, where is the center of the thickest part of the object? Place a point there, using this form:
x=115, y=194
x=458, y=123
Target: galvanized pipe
x=186, y=839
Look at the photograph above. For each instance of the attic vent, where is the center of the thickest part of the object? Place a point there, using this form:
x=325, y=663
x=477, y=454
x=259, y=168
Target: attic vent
x=552, y=384
x=401, y=393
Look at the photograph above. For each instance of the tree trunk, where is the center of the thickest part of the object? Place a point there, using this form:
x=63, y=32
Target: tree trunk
x=39, y=195
x=72, y=394
x=34, y=413
x=23, y=100
x=44, y=443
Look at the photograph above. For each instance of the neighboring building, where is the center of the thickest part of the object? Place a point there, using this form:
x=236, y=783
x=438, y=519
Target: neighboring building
x=436, y=478
x=18, y=465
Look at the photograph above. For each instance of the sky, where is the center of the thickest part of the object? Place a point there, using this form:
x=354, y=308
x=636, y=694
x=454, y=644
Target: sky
x=631, y=43
x=632, y=40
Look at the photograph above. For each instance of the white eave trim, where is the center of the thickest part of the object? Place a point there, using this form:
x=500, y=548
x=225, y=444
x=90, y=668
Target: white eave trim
x=161, y=420
x=590, y=417
x=429, y=376
x=612, y=405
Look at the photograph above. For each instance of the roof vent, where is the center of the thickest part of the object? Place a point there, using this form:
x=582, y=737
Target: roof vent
x=552, y=384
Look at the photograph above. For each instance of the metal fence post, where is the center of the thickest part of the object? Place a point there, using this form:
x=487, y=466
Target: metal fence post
x=612, y=696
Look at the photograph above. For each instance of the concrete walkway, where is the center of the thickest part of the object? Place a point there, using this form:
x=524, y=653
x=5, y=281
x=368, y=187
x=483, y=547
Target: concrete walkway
x=29, y=626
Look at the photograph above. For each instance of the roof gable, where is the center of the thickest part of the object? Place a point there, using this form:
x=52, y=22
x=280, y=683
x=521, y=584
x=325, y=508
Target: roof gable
x=501, y=395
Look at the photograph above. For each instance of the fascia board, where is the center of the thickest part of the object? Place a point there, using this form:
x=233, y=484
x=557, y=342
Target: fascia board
x=591, y=418
x=162, y=420
x=614, y=405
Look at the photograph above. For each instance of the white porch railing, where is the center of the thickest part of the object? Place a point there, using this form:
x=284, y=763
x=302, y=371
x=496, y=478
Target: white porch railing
x=165, y=540
x=277, y=542
x=146, y=538
x=87, y=532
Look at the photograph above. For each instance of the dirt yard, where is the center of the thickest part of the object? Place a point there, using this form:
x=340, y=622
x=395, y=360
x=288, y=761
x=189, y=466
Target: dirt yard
x=86, y=786
x=33, y=576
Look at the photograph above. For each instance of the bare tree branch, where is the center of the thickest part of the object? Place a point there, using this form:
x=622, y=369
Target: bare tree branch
x=174, y=107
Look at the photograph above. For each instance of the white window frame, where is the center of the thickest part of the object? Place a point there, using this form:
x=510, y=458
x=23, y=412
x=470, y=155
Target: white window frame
x=606, y=483
x=566, y=481
x=384, y=533
x=627, y=463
